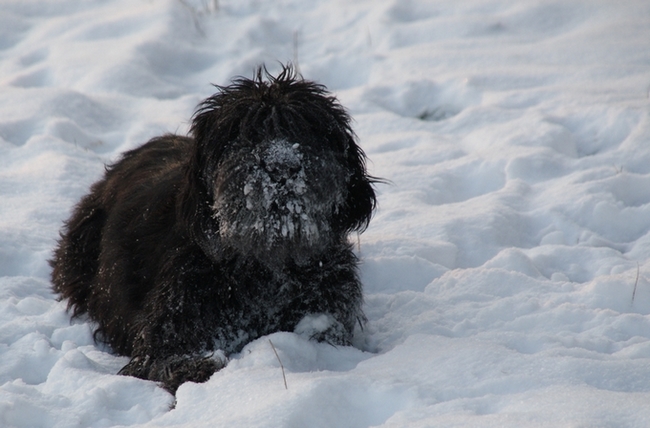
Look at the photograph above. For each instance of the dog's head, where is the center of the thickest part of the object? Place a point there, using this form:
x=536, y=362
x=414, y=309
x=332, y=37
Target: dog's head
x=280, y=167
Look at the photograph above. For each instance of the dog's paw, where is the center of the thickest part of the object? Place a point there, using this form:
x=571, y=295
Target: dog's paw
x=323, y=328
x=174, y=370
x=137, y=367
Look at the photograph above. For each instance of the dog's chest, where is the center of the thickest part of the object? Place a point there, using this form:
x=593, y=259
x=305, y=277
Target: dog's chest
x=268, y=305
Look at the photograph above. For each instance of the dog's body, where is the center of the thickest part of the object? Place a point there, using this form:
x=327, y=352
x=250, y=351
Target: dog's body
x=190, y=245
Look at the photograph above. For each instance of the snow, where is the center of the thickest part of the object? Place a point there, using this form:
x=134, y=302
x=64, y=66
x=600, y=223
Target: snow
x=506, y=272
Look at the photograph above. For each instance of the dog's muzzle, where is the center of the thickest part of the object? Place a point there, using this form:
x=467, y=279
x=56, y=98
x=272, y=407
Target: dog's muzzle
x=279, y=200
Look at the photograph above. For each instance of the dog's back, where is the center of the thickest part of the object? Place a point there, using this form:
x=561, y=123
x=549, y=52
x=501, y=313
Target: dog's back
x=141, y=181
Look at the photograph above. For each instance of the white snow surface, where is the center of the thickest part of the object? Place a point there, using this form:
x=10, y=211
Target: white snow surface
x=506, y=271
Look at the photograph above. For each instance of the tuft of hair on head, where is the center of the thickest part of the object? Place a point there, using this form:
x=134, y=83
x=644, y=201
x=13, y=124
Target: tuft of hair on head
x=277, y=103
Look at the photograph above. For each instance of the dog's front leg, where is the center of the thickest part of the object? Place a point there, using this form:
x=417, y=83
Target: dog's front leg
x=173, y=338
x=168, y=358
x=328, y=299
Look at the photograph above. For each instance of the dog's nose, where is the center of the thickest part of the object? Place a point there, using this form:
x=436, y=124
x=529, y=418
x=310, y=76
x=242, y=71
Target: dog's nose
x=281, y=171
x=282, y=161
x=284, y=175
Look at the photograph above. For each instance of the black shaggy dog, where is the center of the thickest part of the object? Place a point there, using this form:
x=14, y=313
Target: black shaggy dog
x=190, y=245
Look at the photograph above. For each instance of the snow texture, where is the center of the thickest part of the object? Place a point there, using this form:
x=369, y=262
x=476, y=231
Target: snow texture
x=507, y=270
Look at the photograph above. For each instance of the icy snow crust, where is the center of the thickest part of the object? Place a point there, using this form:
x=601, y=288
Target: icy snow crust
x=507, y=270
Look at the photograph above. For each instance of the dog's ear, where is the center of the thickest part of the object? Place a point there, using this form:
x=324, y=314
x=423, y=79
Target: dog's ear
x=209, y=135
x=213, y=125
x=361, y=200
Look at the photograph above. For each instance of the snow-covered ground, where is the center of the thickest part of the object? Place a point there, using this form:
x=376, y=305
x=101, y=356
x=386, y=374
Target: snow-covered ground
x=507, y=270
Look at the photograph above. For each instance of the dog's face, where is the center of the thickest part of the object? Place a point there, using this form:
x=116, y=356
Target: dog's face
x=280, y=165
x=278, y=198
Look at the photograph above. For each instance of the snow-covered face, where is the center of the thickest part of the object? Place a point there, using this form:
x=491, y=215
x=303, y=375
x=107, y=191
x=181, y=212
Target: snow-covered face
x=276, y=199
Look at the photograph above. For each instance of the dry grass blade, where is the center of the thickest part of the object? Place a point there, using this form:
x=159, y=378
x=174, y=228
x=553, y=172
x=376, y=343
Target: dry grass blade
x=636, y=281
x=284, y=377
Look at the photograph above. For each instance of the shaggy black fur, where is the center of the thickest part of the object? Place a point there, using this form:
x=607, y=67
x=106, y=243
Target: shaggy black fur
x=193, y=244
